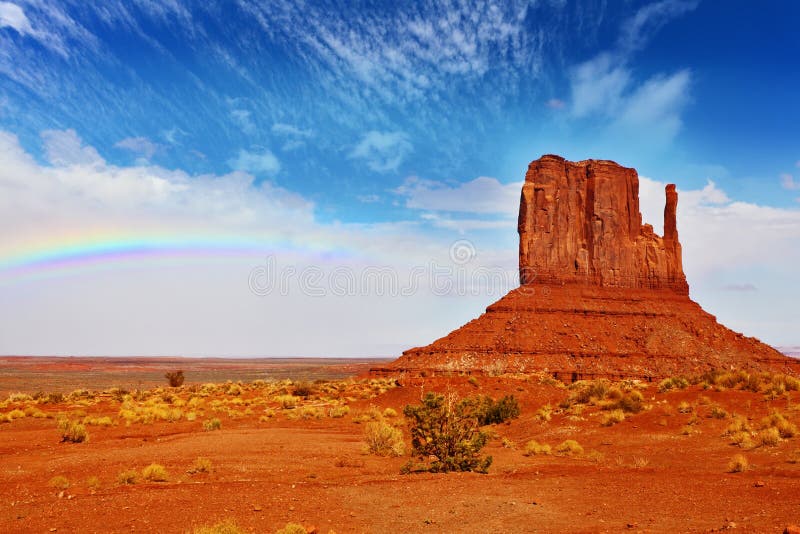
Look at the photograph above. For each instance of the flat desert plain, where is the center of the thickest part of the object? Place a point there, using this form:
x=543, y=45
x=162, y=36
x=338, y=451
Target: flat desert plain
x=255, y=454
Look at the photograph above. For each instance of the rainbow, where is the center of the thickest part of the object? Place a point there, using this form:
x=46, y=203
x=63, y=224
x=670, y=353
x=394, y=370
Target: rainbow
x=82, y=254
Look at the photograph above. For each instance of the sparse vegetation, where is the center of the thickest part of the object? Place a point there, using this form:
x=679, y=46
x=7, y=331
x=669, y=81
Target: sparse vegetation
x=292, y=528
x=224, y=527
x=613, y=417
x=155, y=473
x=675, y=382
x=738, y=464
x=447, y=429
x=383, y=439
x=129, y=476
x=490, y=412
x=93, y=483
x=72, y=431
x=534, y=448
x=570, y=447
x=174, y=378
x=200, y=465
x=59, y=482
x=212, y=424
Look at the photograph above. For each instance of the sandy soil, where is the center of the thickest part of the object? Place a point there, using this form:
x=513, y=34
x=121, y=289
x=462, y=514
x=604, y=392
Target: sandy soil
x=642, y=474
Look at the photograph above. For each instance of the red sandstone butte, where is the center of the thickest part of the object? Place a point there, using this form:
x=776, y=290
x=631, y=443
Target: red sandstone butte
x=601, y=294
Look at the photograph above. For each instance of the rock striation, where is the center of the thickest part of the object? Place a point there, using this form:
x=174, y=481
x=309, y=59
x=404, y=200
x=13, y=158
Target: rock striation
x=601, y=295
x=580, y=223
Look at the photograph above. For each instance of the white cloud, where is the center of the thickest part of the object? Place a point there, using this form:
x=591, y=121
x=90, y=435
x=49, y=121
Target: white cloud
x=12, y=16
x=261, y=162
x=637, y=30
x=242, y=117
x=605, y=85
x=555, y=103
x=65, y=148
x=482, y=195
x=140, y=145
x=295, y=137
x=382, y=151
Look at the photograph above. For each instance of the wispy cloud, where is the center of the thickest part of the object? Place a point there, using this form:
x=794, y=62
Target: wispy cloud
x=139, y=145
x=262, y=161
x=382, y=151
x=293, y=136
x=482, y=195
x=606, y=85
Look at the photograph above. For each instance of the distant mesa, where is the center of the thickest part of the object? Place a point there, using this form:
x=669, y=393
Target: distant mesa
x=601, y=295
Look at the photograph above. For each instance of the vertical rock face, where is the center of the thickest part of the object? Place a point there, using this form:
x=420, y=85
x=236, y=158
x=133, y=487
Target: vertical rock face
x=580, y=223
x=602, y=295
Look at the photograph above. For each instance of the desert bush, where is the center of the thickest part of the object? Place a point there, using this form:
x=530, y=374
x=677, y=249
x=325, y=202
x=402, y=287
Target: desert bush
x=448, y=430
x=613, y=417
x=675, y=382
x=534, y=448
x=585, y=392
x=717, y=412
x=174, y=378
x=200, y=465
x=492, y=412
x=348, y=462
x=15, y=414
x=224, y=527
x=383, y=439
x=777, y=420
x=292, y=528
x=128, y=476
x=303, y=389
x=545, y=413
x=390, y=412
x=212, y=424
x=794, y=457
x=155, y=473
x=306, y=412
x=234, y=389
x=473, y=381
x=98, y=421
x=570, y=447
x=59, y=482
x=287, y=401
x=768, y=437
x=685, y=407
x=508, y=443
x=19, y=397
x=72, y=431
x=738, y=464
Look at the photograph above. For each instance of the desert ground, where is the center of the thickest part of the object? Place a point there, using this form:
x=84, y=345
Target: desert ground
x=247, y=454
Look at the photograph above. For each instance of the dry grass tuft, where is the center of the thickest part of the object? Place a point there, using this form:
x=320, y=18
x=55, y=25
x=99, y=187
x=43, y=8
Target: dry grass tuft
x=200, y=465
x=534, y=448
x=738, y=464
x=570, y=447
x=59, y=482
x=155, y=473
x=224, y=527
x=128, y=476
x=383, y=439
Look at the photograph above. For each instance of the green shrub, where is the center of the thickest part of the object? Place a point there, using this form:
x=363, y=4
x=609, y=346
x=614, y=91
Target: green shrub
x=448, y=430
x=492, y=412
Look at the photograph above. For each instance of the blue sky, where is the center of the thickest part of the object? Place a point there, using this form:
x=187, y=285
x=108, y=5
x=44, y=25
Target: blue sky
x=352, y=134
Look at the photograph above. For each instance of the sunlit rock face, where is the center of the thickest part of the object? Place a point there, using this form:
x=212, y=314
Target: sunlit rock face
x=601, y=294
